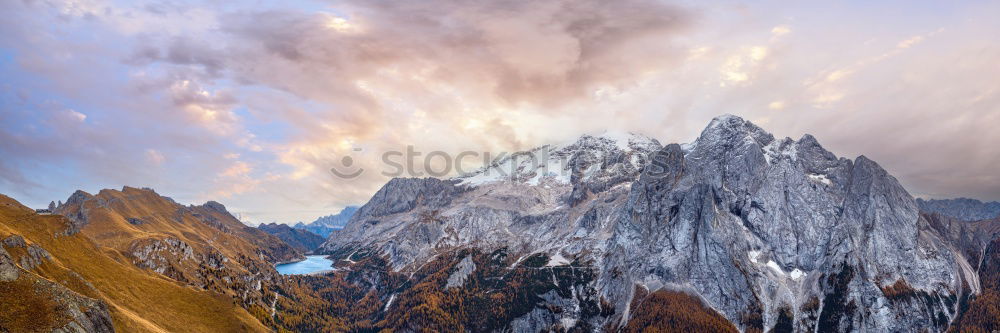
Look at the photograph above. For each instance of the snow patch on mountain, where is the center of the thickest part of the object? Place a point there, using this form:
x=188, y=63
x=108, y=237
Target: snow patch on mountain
x=797, y=274
x=819, y=178
x=557, y=259
x=774, y=266
x=555, y=162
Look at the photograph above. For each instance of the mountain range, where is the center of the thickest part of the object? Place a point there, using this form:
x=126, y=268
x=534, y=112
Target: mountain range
x=770, y=234
x=964, y=209
x=324, y=225
x=736, y=231
x=301, y=239
x=138, y=261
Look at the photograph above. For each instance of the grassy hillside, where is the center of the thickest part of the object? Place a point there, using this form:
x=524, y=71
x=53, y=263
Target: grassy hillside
x=118, y=219
x=138, y=300
x=200, y=246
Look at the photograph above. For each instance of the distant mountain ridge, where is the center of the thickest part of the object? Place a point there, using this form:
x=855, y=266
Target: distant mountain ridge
x=301, y=239
x=325, y=225
x=964, y=209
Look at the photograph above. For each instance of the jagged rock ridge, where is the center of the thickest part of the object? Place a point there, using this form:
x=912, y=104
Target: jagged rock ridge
x=964, y=209
x=324, y=225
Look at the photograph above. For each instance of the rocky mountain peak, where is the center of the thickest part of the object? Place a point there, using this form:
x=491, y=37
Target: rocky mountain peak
x=727, y=131
x=78, y=197
x=216, y=206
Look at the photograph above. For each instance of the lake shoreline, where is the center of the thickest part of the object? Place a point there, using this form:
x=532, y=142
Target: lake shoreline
x=304, y=258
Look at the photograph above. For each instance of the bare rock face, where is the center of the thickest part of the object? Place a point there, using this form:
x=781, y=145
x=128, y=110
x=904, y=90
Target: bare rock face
x=159, y=255
x=404, y=194
x=75, y=211
x=33, y=256
x=8, y=270
x=768, y=232
x=457, y=279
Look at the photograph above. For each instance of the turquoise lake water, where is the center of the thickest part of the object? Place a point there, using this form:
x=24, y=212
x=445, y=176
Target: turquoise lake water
x=312, y=264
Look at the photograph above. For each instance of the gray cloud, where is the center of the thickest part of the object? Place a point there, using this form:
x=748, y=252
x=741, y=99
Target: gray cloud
x=519, y=51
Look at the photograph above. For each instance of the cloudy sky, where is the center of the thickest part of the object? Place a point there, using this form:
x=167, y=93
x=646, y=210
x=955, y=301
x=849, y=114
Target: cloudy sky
x=250, y=103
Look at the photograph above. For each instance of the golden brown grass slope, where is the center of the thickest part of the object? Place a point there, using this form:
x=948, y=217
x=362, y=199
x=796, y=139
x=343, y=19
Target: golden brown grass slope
x=30, y=303
x=117, y=219
x=672, y=311
x=201, y=246
x=138, y=299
